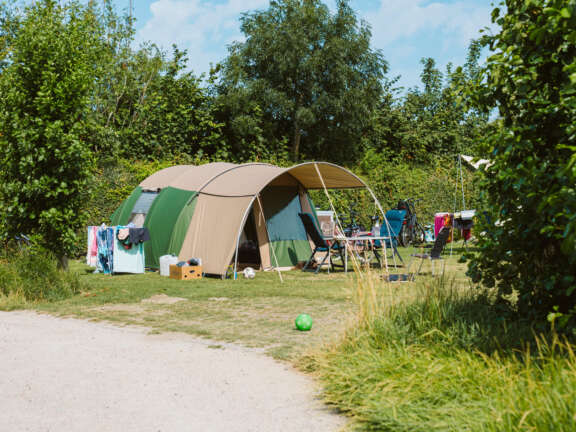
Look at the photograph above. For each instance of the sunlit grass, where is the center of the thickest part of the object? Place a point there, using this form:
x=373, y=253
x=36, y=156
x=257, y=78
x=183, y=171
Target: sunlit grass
x=438, y=357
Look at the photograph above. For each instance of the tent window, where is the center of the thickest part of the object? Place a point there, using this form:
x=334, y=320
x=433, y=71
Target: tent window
x=142, y=207
x=144, y=202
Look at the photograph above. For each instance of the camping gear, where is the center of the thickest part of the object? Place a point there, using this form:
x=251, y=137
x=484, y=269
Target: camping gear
x=463, y=220
x=205, y=211
x=391, y=229
x=110, y=255
x=436, y=251
x=412, y=231
x=320, y=244
x=303, y=322
x=185, y=272
x=376, y=226
x=465, y=215
x=127, y=260
x=440, y=219
x=428, y=234
x=165, y=262
x=398, y=277
x=326, y=222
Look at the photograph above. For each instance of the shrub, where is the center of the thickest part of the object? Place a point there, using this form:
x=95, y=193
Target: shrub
x=530, y=194
x=33, y=275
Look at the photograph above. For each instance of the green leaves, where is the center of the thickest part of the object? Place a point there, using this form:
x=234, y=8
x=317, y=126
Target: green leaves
x=312, y=75
x=530, y=80
x=44, y=93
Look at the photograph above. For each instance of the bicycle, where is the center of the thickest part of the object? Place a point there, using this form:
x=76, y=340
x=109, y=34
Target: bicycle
x=352, y=229
x=349, y=225
x=412, y=231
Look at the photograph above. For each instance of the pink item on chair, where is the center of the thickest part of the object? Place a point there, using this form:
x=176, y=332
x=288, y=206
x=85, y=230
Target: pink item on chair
x=439, y=222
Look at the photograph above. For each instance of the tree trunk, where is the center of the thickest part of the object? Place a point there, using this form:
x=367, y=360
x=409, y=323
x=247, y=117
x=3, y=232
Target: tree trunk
x=63, y=262
x=296, y=142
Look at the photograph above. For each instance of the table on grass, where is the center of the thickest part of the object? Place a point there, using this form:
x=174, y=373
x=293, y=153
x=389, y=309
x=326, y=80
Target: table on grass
x=352, y=242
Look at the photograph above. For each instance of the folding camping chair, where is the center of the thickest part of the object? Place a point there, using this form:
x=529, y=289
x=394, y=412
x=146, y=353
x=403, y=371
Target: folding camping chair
x=435, y=252
x=391, y=229
x=320, y=244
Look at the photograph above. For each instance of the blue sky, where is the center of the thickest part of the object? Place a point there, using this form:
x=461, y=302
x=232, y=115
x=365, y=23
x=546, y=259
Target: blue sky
x=405, y=30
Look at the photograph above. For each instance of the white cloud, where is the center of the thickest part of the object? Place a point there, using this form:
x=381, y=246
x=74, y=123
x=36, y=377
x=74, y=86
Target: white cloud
x=405, y=30
x=408, y=30
x=202, y=28
x=395, y=20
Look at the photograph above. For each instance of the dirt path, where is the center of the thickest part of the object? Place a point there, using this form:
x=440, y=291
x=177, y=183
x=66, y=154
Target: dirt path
x=73, y=375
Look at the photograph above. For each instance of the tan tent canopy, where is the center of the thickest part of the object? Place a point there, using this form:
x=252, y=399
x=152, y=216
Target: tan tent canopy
x=223, y=196
x=226, y=179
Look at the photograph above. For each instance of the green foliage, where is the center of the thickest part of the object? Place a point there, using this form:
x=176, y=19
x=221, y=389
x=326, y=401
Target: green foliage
x=44, y=94
x=529, y=190
x=149, y=107
x=176, y=117
x=434, y=121
x=444, y=360
x=31, y=274
x=391, y=180
x=303, y=75
x=115, y=180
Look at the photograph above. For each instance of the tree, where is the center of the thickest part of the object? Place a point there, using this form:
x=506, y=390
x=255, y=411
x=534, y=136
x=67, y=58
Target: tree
x=312, y=74
x=434, y=120
x=44, y=94
x=529, y=190
x=156, y=109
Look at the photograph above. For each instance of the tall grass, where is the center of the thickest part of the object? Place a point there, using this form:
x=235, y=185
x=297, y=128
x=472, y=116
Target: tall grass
x=438, y=357
x=31, y=274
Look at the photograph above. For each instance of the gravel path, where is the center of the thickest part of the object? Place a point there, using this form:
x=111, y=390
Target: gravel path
x=73, y=375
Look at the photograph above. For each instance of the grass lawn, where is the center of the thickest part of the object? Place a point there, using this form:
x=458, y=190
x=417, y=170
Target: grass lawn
x=257, y=313
x=429, y=355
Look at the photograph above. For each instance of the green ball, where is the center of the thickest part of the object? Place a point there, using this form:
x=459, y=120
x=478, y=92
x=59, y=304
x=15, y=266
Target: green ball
x=303, y=322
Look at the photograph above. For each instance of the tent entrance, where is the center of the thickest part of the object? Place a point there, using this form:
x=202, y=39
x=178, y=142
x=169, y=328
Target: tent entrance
x=248, y=250
x=286, y=232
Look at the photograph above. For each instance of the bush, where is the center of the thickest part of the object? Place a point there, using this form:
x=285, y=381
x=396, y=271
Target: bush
x=530, y=195
x=33, y=275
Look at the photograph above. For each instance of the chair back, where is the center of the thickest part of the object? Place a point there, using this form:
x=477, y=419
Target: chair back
x=312, y=230
x=392, y=229
x=440, y=242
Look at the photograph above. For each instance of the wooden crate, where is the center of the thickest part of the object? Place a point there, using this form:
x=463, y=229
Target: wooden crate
x=185, y=272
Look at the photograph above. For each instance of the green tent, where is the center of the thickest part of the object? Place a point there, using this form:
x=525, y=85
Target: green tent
x=224, y=213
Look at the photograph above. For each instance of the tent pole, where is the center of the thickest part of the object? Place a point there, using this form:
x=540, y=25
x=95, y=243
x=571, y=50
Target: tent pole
x=455, y=201
x=389, y=228
x=248, y=209
x=270, y=242
x=240, y=234
x=338, y=220
x=462, y=181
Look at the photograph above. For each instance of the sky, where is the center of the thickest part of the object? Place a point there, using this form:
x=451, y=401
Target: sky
x=404, y=30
